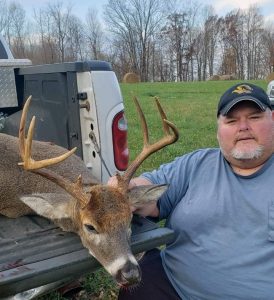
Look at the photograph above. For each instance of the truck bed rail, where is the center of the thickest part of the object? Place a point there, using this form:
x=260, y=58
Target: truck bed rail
x=34, y=252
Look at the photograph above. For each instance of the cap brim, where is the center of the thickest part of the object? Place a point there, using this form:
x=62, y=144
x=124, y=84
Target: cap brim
x=228, y=107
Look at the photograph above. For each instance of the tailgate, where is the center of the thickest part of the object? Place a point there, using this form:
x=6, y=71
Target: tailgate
x=34, y=252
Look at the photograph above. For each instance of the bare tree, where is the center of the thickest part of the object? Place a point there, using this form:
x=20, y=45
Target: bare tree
x=47, y=41
x=268, y=47
x=60, y=18
x=242, y=33
x=3, y=15
x=212, y=27
x=233, y=43
x=135, y=22
x=76, y=40
x=194, y=16
x=61, y=33
x=193, y=33
x=94, y=33
x=16, y=29
x=176, y=30
x=254, y=29
x=187, y=41
x=198, y=53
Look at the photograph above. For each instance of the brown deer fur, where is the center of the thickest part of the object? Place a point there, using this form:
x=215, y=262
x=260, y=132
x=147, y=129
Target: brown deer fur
x=15, y=176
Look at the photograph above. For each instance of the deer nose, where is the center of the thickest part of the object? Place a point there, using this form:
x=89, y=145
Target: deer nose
x=129, y=275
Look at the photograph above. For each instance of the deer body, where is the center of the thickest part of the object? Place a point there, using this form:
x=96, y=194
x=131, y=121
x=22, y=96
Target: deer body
x=15, y=181
x=110, y=216
x=51, y=187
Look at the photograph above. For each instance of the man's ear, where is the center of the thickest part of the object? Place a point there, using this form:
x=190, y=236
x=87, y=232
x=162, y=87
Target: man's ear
x=142, y=194
x=49, y=205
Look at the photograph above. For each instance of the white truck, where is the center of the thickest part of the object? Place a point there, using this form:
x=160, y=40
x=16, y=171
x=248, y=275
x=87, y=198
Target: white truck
x=76, y=104
x=270, y=92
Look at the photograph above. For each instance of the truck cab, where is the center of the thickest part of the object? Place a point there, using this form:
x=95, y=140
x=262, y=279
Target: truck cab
x=76, y=104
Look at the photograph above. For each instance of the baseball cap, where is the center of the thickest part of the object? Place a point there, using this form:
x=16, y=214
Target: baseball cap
x=243, y=92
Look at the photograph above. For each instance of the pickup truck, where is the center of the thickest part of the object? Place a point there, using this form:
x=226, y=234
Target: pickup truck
x=270, y=92
x=76, y=104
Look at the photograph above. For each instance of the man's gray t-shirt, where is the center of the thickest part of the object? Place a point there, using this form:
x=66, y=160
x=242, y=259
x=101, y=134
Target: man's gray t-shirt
x=224, y=225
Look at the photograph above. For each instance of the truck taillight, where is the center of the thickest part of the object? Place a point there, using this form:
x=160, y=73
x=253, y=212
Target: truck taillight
x=119, y=136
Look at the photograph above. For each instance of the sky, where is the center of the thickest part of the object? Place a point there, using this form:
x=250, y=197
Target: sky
x=224, y=6
x=221, y=6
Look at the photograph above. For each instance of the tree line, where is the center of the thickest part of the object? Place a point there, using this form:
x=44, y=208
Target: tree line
x=160, y=40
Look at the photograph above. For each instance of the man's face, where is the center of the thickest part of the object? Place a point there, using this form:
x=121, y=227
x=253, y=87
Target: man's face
x=246, y=132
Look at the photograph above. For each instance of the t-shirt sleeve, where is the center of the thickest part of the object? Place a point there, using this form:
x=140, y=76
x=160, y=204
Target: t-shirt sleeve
x=176, y=175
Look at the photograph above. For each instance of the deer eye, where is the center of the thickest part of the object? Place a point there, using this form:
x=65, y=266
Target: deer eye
x=90, y=228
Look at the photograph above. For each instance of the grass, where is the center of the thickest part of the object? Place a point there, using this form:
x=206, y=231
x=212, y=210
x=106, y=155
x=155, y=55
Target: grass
x=191, y=106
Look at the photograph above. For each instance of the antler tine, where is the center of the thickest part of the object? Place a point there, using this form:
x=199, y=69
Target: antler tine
x=167, y=124
x=148, y=149
x=163, y=115
x=142, y=119
x=22, y=128
x=25, y=145
x=74, y=189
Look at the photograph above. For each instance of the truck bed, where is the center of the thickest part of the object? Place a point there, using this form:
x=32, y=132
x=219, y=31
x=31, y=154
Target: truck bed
x=34, y=252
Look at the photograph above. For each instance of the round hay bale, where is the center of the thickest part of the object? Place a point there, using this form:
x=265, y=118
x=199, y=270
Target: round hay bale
x=214, y=78
x=225, y=77
x=131, y=78
x=270, y=77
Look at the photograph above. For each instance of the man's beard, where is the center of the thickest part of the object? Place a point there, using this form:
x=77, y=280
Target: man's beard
x=247, y=154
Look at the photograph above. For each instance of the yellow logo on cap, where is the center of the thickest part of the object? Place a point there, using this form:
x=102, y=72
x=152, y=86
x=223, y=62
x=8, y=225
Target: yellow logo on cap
x=244, y=88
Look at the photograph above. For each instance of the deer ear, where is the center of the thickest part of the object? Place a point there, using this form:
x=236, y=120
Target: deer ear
x=49, y=205
x=142, y=194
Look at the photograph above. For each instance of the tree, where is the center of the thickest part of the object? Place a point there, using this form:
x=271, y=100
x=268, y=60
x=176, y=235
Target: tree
x=254, y=30
x=61, y=33
x=176, y=31
x=233, y=39
x=60, y=18
x=268, y=47
x=182, y=41
x=16, y=29
x=3, y=15
x=212, y=27
x=135, y=23
x=75, y=40
x=94, y=33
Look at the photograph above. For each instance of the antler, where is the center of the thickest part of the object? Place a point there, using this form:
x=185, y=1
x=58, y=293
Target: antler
x=74, y=189
x=169, y=138
x=25, y=145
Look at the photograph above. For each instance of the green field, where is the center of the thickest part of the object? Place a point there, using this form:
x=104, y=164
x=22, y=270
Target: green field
x=189, y=105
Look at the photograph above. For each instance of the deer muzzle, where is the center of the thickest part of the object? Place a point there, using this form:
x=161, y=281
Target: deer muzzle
x=128, y=275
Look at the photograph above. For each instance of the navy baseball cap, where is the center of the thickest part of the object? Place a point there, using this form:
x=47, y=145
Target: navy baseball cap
x=243, y=92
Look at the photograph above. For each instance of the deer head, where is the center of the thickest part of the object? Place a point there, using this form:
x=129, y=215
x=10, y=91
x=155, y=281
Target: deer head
x=101, y=214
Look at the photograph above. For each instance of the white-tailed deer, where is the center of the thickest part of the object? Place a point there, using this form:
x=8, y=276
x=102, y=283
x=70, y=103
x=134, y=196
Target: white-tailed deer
x=67, y=194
